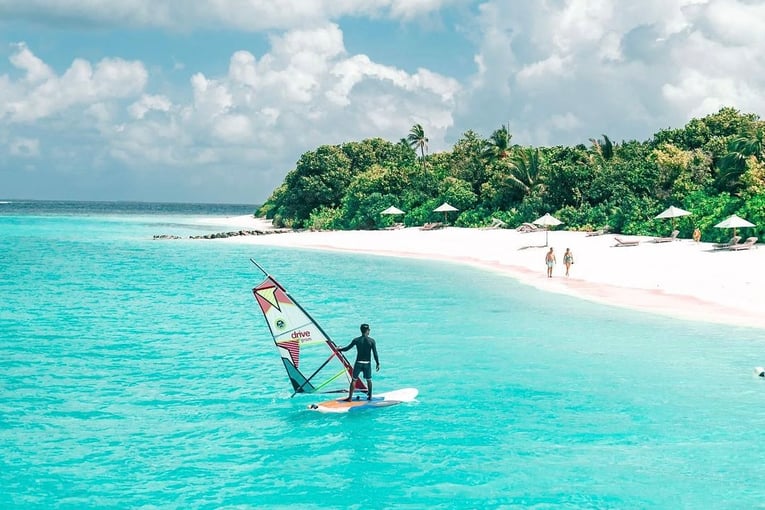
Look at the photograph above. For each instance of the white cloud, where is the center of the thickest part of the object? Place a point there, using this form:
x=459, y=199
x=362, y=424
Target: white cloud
x=359, y=68
x=252, y=122
x=148, y=103
x=565, y=71
x=242, y=69
x=232, y=129
x=582, y=22
x=41, y=93
x=25, y=60
x=211, y=97
x=545, y=69
x=701, y=94
x=735, y=22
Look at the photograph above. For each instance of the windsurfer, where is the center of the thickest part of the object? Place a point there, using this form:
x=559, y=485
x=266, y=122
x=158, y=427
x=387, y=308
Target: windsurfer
x=365, y=347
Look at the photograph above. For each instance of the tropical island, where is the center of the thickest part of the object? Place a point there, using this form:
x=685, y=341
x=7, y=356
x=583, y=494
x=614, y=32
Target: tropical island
x=712, y=167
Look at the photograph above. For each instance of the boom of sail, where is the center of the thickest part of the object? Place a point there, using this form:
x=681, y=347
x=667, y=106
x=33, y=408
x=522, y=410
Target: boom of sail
x=312, y=360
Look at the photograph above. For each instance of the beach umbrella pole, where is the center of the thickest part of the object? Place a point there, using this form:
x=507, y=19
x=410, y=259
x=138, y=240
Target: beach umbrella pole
x=546, y=221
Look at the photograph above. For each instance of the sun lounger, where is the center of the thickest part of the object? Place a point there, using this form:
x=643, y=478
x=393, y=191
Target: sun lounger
x=672, y=237
x=724, y=246
x=395, y=226
x=625, y=242
x=432, y=226
x=745, y=245
x=599, y=232
x=528, y=227
x=496, y=223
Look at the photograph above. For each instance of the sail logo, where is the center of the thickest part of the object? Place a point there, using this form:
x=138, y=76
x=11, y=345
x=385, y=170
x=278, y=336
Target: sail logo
x=280, y=324
x=303, y=336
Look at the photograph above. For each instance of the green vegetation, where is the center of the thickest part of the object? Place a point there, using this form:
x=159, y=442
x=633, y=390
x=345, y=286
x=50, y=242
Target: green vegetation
x=713, y=167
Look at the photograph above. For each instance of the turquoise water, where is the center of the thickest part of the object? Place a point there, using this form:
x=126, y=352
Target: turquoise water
x=140, y=374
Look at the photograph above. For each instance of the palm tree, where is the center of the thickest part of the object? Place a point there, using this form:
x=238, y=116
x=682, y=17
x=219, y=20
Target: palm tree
x=603, y=148
x=497, y=147
x=417, y=140
x=740, y=149
x=525, y=171
x=750, y=144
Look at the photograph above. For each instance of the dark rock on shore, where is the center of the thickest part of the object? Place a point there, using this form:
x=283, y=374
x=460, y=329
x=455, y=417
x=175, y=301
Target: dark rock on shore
x=224, y=235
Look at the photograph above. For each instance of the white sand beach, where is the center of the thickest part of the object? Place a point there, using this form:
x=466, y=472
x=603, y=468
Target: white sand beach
x=680, y=279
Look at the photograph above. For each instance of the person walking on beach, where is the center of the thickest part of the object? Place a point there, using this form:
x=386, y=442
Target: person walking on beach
x=696, y=235
x=550, y=262
x=365, y=347
x=568, y=259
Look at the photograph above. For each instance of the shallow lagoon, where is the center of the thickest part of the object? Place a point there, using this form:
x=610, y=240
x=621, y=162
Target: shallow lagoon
x=141, y=373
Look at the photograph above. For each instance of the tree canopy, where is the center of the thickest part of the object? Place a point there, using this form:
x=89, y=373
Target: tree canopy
x=713, y=166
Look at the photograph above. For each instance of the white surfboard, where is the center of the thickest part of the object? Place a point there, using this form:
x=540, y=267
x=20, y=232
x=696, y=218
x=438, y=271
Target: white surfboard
x=360, y=401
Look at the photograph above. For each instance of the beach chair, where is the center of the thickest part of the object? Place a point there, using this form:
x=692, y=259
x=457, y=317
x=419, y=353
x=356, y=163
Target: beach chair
x=528, y=227
x=745, y=245
x=395, y=226
x=672, y=237
x=625, y=242
x=496, y=223
x=724, y=246
x=599, y=232
x=432, y=226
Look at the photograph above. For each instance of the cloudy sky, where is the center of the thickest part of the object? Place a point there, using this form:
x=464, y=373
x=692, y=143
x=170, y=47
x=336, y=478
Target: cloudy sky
x=215, y=100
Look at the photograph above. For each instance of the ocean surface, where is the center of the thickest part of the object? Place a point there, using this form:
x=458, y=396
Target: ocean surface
x=139, y=373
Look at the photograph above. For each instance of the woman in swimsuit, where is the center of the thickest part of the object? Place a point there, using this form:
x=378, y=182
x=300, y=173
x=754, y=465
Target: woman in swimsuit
x=568, y=259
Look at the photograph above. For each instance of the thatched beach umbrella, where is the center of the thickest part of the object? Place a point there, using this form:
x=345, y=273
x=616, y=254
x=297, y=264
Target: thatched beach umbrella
x=547, y=221
x=393, y=211
x=445, y=208
x=673, y=212
x=734, y=222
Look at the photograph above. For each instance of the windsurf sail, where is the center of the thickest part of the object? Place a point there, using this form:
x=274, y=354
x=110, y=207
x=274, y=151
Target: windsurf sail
x=312, y=360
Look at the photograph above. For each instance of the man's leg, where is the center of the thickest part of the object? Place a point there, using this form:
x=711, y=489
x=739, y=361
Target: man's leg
x=354, y=378
x=350, y=390
x=368, y=377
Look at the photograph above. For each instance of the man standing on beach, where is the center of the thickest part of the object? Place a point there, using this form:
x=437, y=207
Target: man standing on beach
x=365, y=347
x=550, y=262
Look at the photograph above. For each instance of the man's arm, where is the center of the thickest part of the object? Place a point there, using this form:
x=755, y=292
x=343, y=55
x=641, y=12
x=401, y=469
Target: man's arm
x=374, y=352
x=343, y=349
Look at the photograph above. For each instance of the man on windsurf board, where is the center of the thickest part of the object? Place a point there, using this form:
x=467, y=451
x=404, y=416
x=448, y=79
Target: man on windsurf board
x=365, y=347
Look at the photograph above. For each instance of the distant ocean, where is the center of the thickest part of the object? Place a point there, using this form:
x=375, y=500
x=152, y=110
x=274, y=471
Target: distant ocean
x=139, y=373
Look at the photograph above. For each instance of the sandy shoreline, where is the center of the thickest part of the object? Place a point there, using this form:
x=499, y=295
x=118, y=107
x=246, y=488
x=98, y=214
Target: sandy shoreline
x=679, y=279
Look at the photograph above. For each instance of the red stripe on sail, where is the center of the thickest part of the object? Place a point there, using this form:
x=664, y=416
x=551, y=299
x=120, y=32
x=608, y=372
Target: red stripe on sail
x=294, y=349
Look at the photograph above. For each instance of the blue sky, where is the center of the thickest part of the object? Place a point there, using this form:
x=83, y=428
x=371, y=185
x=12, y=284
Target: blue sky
x=215, y=100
